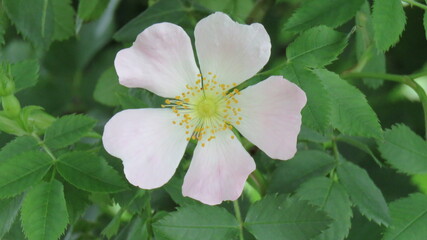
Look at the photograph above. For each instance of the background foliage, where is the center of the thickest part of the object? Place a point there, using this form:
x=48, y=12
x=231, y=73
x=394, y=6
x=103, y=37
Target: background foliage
x=360, y=172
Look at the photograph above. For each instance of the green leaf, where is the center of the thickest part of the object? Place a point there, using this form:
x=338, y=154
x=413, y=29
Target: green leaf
x=404, y=150
x=330, y=197
x=305, y=165
x=8, y=210
x=276, y=217
x=44, y=213
x=351, y=113
x=22, y=171
x=389, y=22
x=91, y=9
x=332, y=13
x=317, y=47
x=33, y=19
x=366, y=52
x=89, y=172
x=316, y=113
x=425, y=22
x=363, y=192
x=3, y=25
x=64, y=19
x=17, y=146
x=25, y=74
x=197, y=222
x=68, y=130
x=172, y=11
x=108, y=88
x=76, y=200
x=174, y=189
x=409, y=218
x=357, y=143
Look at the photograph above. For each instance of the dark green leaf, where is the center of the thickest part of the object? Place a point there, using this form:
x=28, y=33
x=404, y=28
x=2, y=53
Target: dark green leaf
x=354, y=141
x=197, y=222
x=22, y=171
x=363, y=192
x=108, y=88
x=389, y=22
x=89, y=172
x=68, y=130
x=33, y=19
x=76, y=200
x=404, y=150
x=8, y=210
x=425, y=22
x=351, y=113
x=316, y=47
x=316, y=114
x=276, y=217
x=91, y=9
x=332, y=13
x=304, y=166
x=25, y=74
x=17, y=146
x=44, y=213
x=3, y=25
x=174, y=189
x=409, y=218
x=64, y=19
x=330, y=197
x=172, y=11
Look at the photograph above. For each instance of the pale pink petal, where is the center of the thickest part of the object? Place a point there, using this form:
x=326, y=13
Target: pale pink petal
x=160, y=60
x=218, y=171
x=147, y=142
x=271, y=112
x=232, y=51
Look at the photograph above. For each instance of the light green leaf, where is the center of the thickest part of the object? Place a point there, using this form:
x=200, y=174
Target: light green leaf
x=316, y=47
x=68, y=130
x=64, y=19
x=366, y=52
x=25, y=74
x=409, y=218
x=389, y=22
x=91, y=9
x=44, y=213
x=276, y=217
x=172, y=11
x=108, y=88
x=363, y=192
x=197, y=222
x=305, y=165
x=404, y=150
x=316, y=113
x=425, y=22
x=89, y=172
x=33, y=19
x=351, y=113
x=332, y=13
x=17, y=146
x=330, y=197
x=8, y=210
x=22, y=171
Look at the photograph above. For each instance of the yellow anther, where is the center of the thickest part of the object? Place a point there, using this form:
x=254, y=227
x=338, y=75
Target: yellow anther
x=232, y=137
x=234, y=84
x=203, y=145
x=199, y=75
x=237, y=122
x=188, y=139
x=209, y=73
x=167, y=101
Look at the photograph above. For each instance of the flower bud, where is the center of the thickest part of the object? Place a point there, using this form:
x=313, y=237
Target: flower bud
x=36, y=119
x=11, y=106
x=7, y=86
x=10, y=126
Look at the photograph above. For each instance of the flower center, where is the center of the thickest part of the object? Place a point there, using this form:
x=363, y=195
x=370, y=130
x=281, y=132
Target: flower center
x=207, y=107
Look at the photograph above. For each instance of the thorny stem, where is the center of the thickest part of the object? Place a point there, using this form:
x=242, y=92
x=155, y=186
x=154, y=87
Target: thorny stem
x=239, y=218
x=415, y=3
x=408, y=80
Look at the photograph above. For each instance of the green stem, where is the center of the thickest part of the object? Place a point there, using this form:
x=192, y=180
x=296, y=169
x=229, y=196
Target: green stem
x=408, y=80
x=239, y=218
x=415, y=3
x=45, y=148
x=149, y=217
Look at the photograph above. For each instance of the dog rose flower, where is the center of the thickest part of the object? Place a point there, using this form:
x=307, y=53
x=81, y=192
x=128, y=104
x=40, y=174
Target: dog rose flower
x=202, y=105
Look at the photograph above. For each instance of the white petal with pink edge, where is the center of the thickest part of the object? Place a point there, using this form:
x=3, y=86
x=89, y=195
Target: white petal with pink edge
x=232, y=51
x=271, y=116
x=147, y=142
x=160, y=60
x=218, y=171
